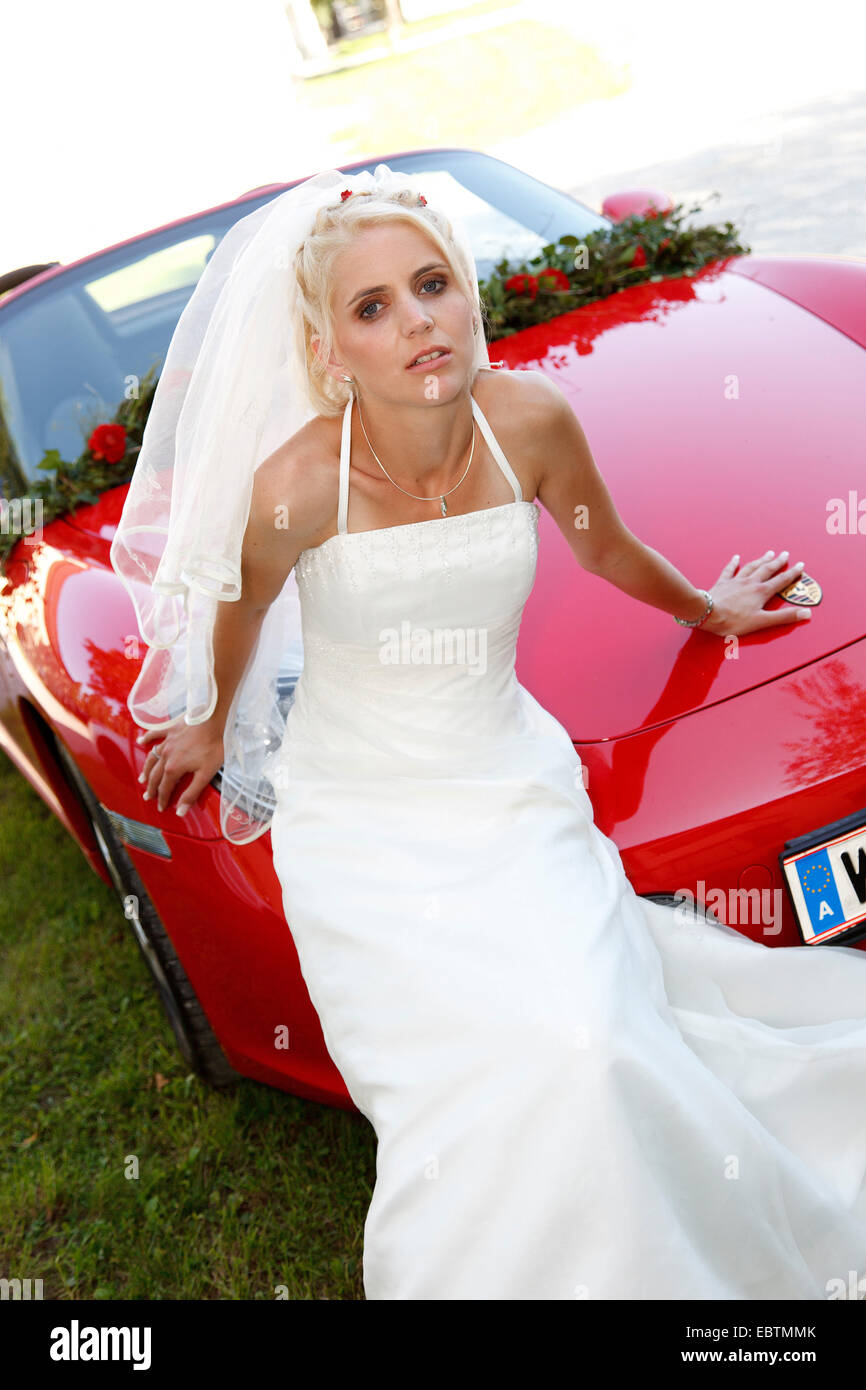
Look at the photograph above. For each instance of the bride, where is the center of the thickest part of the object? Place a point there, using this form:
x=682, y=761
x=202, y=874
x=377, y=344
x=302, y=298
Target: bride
x=576, y=1092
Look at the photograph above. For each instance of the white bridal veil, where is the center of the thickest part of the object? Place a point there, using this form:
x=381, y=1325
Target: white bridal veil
x=233, y=387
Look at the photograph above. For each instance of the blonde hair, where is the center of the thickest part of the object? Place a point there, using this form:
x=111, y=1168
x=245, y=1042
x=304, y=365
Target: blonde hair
x=334, y=228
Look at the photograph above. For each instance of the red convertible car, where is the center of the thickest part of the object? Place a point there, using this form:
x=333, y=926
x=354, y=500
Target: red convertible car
x=725, y=410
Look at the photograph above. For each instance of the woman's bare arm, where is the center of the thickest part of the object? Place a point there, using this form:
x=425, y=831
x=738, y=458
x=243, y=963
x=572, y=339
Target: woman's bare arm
x=572, y=489
x=293, y=497
x=293, y=500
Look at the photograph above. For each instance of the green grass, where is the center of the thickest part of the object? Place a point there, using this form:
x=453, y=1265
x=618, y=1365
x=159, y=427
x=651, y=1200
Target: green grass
x=236, y=1194
x=476, y=90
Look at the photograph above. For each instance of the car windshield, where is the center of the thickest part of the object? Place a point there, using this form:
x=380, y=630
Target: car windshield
x=71, y=347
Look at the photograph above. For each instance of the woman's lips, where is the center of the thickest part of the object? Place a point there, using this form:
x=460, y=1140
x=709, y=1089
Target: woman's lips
x=431, y=364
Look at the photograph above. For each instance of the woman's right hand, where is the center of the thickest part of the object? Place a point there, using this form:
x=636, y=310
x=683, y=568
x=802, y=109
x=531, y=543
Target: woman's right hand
x=182, y=748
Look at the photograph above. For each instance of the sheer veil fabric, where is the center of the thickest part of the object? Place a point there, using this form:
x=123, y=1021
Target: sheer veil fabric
x=234, y=386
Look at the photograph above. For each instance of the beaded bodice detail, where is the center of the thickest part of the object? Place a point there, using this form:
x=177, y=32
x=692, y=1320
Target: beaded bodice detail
x=414, y=553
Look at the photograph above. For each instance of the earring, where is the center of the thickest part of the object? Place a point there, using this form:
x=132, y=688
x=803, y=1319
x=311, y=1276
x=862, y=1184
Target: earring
x=474, y=325
x=347, y=378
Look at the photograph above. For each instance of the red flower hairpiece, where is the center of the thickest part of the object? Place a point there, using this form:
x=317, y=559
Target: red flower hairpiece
x=347, y=193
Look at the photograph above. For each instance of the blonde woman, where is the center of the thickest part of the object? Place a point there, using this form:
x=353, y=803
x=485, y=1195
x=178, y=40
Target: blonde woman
x=575, y=1093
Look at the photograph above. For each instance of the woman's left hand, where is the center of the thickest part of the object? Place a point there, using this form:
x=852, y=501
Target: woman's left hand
x=739, y=597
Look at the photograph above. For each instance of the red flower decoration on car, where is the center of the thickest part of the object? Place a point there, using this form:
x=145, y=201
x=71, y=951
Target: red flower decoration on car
x=556, y=279
x=422, y=199
x=639, y=257
x=108, y=442
x=523, y=284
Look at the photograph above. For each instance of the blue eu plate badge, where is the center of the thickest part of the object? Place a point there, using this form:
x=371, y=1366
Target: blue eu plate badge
x=826, y=876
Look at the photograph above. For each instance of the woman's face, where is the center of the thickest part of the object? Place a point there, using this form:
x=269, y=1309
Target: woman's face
x=418, y=305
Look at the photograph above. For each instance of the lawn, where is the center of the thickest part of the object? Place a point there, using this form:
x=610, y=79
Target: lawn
x=237, y=1194
x=475, y=90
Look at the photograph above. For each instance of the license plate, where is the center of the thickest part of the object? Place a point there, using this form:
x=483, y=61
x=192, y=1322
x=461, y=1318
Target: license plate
x=826, y=876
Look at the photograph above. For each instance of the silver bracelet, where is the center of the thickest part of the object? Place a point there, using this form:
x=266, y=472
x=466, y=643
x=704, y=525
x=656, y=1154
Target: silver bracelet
x=696, y=622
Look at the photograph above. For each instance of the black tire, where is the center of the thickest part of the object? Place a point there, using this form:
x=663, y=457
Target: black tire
x=195, y=1038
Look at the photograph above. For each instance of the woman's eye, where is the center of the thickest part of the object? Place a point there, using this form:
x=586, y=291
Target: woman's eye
x=434, y=280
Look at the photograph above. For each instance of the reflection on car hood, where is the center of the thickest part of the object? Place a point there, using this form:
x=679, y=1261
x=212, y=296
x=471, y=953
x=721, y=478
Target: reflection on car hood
x=725, y=419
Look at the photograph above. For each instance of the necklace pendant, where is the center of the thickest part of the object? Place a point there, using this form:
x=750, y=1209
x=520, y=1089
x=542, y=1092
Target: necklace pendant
x=443, y=506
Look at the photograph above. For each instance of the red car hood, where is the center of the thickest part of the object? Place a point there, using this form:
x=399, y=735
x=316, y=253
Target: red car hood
x=724, y=418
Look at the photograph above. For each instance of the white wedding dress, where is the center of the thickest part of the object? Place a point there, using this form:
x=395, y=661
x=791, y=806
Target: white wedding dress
x=575, y=1093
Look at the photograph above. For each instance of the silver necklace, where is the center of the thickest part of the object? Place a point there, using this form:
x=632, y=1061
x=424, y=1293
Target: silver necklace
x=443, y=495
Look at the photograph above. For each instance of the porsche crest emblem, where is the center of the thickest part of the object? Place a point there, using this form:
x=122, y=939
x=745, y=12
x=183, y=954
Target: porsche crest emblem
x=805, y=590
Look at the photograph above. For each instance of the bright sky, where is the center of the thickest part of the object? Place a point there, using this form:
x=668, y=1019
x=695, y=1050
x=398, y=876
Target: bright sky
x=121, y=116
